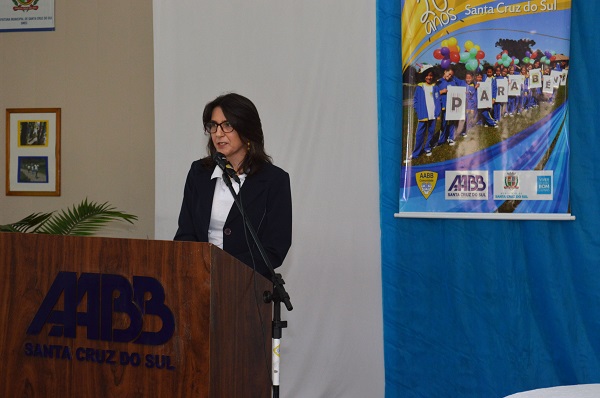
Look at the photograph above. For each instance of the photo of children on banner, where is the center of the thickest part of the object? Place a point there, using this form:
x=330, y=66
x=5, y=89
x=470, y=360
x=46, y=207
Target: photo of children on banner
x=482, y=99
x=486, y=95
x=459, y=99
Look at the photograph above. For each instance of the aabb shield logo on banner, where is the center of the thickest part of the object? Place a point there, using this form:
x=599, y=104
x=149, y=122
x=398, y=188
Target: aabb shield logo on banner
x=426, y=181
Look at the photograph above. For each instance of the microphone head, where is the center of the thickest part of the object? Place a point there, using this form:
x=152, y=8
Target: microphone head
x=219, y=157
x=224, y=164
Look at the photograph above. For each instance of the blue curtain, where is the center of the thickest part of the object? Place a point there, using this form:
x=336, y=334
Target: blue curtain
x=481, y=308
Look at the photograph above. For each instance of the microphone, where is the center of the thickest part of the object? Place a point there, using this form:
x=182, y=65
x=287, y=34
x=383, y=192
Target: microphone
x=224, y=164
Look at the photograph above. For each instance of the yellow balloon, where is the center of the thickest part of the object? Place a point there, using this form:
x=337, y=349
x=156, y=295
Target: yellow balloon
x=444, y=43
x=477, y=47
x=452, y=41
x=468, y=45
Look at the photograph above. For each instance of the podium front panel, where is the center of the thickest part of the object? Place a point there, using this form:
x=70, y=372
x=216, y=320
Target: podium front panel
x=105, y=317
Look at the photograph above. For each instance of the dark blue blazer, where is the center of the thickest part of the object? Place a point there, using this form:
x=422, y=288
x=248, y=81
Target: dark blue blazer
x=267, y=201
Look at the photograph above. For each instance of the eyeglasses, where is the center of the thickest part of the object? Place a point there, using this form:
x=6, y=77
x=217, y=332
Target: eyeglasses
x=212, y=127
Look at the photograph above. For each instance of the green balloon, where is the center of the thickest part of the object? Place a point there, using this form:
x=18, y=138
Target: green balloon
x=471, y=65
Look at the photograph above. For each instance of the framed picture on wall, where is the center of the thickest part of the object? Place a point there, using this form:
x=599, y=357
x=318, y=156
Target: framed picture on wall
x=22, y=15
x=33, y=152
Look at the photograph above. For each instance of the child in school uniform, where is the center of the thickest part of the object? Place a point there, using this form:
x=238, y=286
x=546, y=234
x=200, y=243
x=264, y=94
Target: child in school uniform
x=426, y=102
x=487, y=114
x=471, y=114
x=448, y=128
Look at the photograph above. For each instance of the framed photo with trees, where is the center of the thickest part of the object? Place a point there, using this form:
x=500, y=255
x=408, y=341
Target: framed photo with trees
x=33, y=152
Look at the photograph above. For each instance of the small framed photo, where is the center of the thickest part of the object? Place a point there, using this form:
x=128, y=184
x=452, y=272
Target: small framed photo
x=33, y=152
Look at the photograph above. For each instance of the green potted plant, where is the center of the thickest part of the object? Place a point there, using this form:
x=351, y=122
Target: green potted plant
x=84, y=219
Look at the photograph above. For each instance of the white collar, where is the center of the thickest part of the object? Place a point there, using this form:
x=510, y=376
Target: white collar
x=218, y=173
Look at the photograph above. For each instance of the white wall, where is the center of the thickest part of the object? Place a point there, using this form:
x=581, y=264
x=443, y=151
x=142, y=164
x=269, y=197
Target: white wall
x=310, y=68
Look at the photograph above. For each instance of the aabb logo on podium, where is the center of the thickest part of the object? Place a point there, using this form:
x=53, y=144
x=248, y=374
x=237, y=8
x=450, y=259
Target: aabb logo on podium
x=99, y=291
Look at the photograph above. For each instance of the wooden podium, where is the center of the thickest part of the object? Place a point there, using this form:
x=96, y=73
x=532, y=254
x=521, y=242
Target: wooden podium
x=103, y=317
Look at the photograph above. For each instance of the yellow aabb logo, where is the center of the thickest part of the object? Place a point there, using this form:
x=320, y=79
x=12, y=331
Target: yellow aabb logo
x=426, y=181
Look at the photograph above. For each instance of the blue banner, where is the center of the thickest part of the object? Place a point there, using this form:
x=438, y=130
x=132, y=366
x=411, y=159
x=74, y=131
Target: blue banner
x=487, y=308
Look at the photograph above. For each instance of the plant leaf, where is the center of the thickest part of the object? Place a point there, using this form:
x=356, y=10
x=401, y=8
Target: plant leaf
x=28, y=224
x=83, y=219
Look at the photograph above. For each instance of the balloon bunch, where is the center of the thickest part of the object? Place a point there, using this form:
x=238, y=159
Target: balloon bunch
x=472, y=56
x=549, y=56
x=530, y=57
x=503, y=59
x=448, y=53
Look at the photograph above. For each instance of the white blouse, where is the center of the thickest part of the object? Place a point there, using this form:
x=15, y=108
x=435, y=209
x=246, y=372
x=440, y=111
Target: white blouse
x=221, y=205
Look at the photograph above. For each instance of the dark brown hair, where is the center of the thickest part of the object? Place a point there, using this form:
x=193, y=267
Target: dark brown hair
x=243, y=116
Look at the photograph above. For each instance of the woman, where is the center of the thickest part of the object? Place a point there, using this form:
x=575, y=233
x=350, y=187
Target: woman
x=208, y=212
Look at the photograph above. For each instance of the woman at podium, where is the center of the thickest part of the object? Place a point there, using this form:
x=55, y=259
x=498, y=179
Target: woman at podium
x=209, y=213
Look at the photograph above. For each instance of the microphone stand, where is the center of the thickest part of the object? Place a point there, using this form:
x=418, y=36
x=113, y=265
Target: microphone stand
x=278, y=295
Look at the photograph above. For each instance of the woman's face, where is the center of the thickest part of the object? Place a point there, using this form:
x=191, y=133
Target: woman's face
x=229, y=144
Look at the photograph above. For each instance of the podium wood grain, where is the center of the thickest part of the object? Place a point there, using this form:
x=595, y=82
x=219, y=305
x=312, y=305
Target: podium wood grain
x=220, y=347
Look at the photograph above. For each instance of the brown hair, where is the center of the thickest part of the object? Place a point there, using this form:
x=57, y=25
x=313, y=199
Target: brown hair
x=243, y=116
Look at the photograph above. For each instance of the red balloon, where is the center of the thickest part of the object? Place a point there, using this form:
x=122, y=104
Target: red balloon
x=534, y=55
x=499, y=56
x=454, y=57
x=553, y=58
x=480, y=55
x=437, y=54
